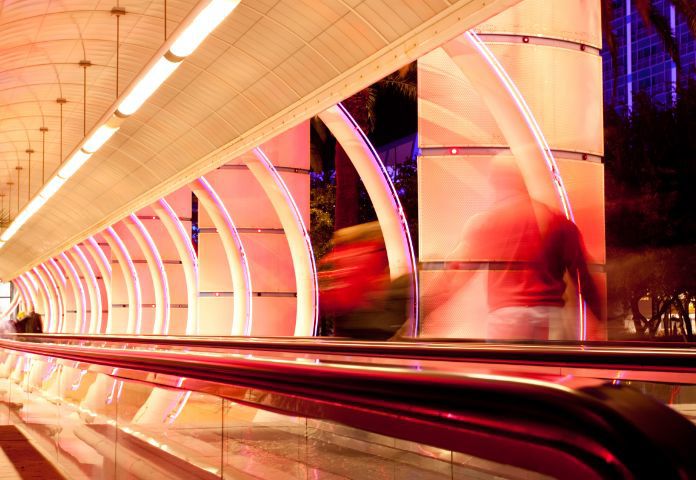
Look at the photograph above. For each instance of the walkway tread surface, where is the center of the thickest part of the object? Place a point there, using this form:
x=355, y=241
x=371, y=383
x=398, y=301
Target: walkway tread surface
x=19, y=459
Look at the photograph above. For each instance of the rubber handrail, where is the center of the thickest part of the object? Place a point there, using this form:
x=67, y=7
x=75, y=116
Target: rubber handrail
x=580, y=355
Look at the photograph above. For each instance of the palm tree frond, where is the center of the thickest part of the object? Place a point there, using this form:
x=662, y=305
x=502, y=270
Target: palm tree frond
x=402, y=86
x=370, y=105
x=687, y=8
x=664, y=31
x=644, y=7
x=607, y=18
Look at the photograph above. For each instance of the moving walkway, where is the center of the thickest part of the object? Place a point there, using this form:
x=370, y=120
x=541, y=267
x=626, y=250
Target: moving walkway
x=168, y=407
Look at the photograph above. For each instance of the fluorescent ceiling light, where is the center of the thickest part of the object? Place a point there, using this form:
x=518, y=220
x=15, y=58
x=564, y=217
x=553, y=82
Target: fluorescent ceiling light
x=51, y=187
x=147, y=85
x=11, y=230
x=99, y=138
x=71, y=166
x=34, y=205
x=204, y=23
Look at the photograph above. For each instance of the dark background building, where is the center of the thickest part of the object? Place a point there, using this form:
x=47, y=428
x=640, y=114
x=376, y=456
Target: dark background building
x=643, y=63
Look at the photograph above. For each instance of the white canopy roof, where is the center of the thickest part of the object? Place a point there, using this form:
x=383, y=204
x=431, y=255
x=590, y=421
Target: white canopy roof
x=270, y=65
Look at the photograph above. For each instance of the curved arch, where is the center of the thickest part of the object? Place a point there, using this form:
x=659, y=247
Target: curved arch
x=157, y=272
x=42, y=293
x=380, y=189
x=57, y=274
x=49, y=303
x=52, y=295
x=26, y=299
x=102, y=263
x=519, y=127
x=59, y=311
x=234, y=251
x=307, y=315
x=130, y=275
x=13, y=304
x=95, y=312
x=187, y=255
x=32, y=290
x=78, y=291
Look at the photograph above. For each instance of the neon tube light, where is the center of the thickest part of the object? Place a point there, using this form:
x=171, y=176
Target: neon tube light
x=58, y=299
x=307, y=316
x=78, y=291
x=539, y=137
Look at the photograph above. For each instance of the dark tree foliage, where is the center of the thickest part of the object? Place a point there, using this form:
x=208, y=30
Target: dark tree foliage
x=650, y=157
x=323, y=202
x=385, y=111
x=654, y=20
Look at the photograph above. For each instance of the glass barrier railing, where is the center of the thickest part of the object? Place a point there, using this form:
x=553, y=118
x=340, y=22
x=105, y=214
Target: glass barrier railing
x=122, y=413
x=92, y=425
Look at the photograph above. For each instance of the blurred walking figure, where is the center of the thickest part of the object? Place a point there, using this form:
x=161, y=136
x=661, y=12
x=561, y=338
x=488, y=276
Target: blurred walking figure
x=357, y=297
x=533, y=250
x=29, y=323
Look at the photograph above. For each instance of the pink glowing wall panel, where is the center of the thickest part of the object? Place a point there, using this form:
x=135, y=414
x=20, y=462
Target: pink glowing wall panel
x=146, y=285
x=272, y=266
x=457, y=313
x=556, y=20
x=444, y=216
x=215, y=315
x=558, y=84
x=119, y=295
x=273, y=316
x=243, y=197
x=266, y=247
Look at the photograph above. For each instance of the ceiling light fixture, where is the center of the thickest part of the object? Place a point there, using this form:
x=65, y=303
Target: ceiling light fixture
x=204, y=23
x=99, y=138
x=147, y=85
x=73, y=165
x=52, y=187
x=183, y=43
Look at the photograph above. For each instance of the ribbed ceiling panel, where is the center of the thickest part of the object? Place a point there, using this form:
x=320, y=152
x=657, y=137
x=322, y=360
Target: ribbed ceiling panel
x=270, y=64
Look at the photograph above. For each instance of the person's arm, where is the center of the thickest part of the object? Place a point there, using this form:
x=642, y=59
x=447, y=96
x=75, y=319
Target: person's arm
x=576, y=258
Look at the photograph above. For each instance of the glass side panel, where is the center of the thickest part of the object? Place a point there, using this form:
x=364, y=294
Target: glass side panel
x=91, y=423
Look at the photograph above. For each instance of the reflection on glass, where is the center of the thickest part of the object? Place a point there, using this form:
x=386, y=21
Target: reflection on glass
x=95, y=425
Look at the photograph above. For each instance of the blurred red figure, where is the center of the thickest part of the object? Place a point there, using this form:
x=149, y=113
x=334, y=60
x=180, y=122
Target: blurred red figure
x=530, y=248
x=357, y=297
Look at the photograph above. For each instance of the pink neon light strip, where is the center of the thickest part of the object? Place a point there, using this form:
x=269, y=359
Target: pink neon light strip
x=50, y=299
x=13, y=304
x=297, y=217
x=164, y=284
x=95, y=302
x=232, y=229
x=102, y=263
x=123, y=251
x=184, y=239
x=30, y=289
x=396, y=204
x=56, y=270
x=556, y=179
x=58, y=297
x=26, y=299
x=100, y=253
x=38, y=280
x=82, y=300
